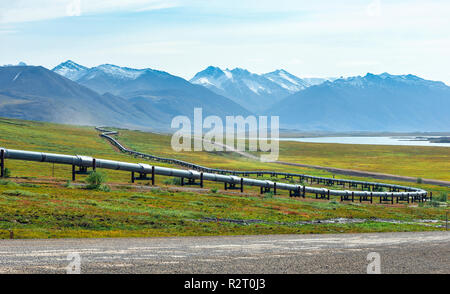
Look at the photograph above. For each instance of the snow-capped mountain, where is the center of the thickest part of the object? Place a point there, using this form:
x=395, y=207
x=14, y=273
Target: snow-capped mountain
x=372, y=102
x=70, y=70
x=254, y=92
x=286, y=80
x=157, y=94
x=115, y=79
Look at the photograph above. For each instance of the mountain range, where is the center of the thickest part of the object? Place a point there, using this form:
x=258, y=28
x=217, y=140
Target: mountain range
x=149, y=98
x=255, y=92
x=371, y=103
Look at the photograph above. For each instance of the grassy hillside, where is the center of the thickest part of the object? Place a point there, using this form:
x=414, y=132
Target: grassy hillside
x=38, y=202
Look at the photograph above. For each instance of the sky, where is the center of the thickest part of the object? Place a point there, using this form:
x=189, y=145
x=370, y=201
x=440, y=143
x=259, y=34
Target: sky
x=307, y=38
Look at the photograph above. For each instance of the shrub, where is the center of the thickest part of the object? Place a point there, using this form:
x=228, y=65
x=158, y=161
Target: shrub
x=104, y=188
x=214, y=190
x=419, y=181
x=29, y=185
x=172, y=181
x=433, y=203
x=22, y=193
x=7, y=173
x=68, y=184
x=378, y=189
x=268, y=195
x=8, y=183
x=95, y=180
x=442, y=197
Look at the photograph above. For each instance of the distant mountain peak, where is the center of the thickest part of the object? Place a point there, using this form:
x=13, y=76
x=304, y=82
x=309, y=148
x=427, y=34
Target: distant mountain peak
x=70, y=69
x=238, y=70
x=70, y=64
x=287, y=80
x=21, y=63
x=253, y=91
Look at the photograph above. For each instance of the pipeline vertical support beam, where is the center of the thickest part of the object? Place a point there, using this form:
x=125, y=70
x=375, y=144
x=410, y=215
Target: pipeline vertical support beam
x=201, y=180
x=371, y=197
x=2, y=163
x=242, y=185
x=304, y=191
x=93, y=164
x=353, y=196
x=73, y=172
x=182, y=181
x=225, y=186
x=132, y=177
x=274, y=188
x=328, y=196
x=153, y=175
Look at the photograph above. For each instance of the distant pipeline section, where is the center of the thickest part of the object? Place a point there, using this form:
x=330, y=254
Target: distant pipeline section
x=232, y=179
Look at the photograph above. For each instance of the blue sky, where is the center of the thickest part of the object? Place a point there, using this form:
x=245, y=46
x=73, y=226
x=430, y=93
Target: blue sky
x=307, y=38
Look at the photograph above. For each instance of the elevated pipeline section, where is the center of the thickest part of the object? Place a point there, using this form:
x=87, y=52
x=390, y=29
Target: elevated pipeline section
x=232, y=178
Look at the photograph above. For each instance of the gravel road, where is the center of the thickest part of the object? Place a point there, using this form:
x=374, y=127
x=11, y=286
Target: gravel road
x=422, y=252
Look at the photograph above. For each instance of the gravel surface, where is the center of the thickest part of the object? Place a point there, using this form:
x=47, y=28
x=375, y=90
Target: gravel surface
x=423, y=252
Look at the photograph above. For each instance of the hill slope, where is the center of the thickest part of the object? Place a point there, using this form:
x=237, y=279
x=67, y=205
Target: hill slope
x=35, y=93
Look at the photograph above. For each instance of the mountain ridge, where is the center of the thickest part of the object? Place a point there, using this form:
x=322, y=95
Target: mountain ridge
x=372, y=102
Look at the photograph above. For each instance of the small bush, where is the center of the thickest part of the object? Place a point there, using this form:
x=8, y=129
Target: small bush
x=95, y=180
x=433, y=203
x=268, y=195
x=334, y=202
x=200, y=203
x=172, y=181
x=22, y=193
x=29, y=185
x=104, y=188
x=442, y=197
x=7, y=173
x=214, y=190
x=419, y=181
x=8, y=183
x=378, y=189
x=68, y=184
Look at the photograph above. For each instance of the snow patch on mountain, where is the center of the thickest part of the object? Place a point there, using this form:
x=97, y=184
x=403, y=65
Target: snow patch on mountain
x=70, y=70
x=121, y=72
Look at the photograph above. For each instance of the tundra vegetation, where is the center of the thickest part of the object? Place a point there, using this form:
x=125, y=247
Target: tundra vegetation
x=39, y=201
